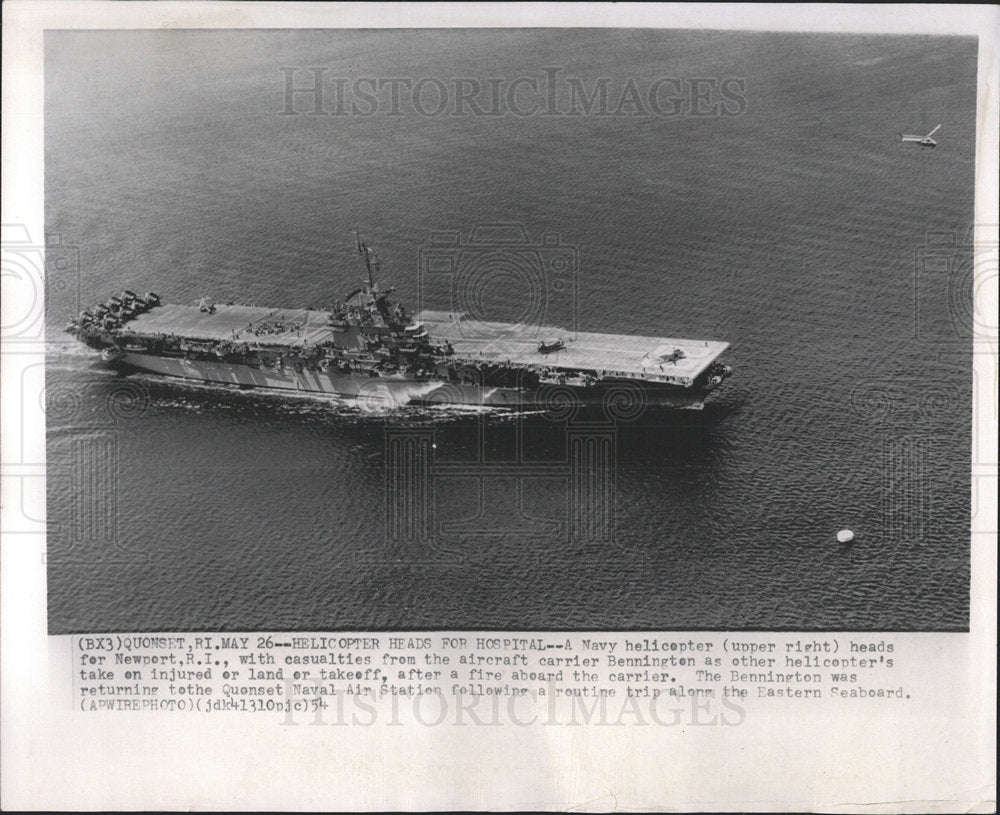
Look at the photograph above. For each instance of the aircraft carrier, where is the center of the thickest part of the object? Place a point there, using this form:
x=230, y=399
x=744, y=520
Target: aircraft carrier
x=365, y=347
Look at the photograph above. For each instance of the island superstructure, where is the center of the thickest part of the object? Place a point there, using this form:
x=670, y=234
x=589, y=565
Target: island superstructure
x=366, y=347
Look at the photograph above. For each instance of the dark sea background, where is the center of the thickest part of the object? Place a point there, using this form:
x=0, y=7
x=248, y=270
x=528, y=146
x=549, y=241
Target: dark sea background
x=797, y=231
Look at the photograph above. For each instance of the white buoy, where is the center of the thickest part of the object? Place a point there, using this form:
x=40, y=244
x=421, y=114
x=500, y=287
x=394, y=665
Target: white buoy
x=845, y=536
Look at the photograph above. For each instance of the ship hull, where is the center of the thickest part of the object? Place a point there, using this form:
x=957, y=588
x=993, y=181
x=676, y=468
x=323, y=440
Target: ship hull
x=624, y=398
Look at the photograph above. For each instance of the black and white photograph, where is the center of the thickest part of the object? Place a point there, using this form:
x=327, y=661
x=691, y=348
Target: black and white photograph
x=508, y=329
x=499, y=407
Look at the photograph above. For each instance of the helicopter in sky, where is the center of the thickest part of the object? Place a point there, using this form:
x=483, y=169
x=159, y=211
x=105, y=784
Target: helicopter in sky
x=923, y=141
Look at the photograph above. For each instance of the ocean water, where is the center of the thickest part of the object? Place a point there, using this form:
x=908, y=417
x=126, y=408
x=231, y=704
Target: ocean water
x=831, y=256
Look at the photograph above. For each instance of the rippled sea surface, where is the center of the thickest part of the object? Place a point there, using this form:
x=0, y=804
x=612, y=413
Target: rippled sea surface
x=798, y=231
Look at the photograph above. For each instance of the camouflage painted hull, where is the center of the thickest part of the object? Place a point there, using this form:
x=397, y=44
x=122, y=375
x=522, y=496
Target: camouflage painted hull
x=398, y=389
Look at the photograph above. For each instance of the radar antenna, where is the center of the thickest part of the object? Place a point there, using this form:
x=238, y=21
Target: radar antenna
x=371, y=259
